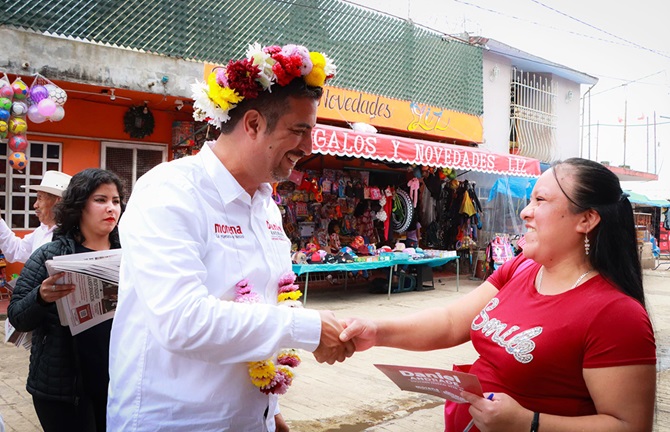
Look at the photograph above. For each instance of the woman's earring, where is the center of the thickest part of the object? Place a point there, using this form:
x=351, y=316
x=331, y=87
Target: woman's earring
x=587, y=245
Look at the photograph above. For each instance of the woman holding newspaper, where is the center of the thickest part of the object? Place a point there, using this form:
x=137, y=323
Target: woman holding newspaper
x=564, y=338
x=68, y=375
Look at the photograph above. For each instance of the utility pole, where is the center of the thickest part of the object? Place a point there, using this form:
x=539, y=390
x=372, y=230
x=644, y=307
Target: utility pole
x=625, y=120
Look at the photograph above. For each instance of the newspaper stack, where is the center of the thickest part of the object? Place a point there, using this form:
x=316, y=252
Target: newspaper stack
x=20, y=339
x=96, y=279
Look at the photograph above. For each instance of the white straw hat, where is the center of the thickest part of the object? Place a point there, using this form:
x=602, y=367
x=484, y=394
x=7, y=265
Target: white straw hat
x=53, y=182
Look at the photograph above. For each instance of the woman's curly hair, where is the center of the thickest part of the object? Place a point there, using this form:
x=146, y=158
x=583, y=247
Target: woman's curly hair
x=69, y=209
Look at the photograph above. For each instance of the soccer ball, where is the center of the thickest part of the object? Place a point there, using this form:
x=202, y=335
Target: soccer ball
x=18, y=143
x=17, y=125
x=17, y=160
x=56, y=94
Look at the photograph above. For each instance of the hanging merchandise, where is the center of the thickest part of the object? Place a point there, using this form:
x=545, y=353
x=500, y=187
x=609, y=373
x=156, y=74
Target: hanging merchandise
x=14, y=109
x=402, y=212
x=499, y=250
x=46, y=100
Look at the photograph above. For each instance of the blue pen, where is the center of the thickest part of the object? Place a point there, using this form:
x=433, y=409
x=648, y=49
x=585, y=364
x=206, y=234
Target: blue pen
x=472, y=422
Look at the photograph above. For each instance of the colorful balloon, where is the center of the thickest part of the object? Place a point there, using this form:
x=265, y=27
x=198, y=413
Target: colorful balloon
x=20, y=89
x=38, y=93
x=18, y=161
x=19, y=108
x=34, y=115
x=17, y=125
x=58, y=114
x=46, y=107
x=18, y=143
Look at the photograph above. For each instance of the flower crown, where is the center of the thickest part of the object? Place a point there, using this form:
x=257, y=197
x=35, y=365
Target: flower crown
x=245, y=79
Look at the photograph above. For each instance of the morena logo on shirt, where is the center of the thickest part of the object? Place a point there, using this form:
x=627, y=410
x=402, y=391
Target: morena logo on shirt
x=228, y=231
x=276, y=231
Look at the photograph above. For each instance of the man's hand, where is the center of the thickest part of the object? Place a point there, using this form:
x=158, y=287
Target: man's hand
x=363, y=333
x=280, y=424
x=331, y=348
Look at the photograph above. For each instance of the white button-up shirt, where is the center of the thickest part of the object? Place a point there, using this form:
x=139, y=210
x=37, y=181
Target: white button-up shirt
x=180, y=344
x=17, y=249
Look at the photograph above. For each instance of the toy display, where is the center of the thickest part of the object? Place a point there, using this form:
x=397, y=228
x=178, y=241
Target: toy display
x=39, y=102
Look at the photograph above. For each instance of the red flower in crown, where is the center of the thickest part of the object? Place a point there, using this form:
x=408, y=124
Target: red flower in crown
x=272, y=49
x=286, y=68
x=242, y=75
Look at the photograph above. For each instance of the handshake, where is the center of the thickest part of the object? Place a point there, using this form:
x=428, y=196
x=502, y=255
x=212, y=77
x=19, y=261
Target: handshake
x=341, y=338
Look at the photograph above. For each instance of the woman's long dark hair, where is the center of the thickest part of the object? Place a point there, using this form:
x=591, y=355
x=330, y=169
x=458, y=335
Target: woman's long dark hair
x=613, y=242
x=69, y=209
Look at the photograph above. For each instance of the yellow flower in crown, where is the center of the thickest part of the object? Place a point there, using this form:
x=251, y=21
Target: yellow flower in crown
x=262, y=68
x=224, y=97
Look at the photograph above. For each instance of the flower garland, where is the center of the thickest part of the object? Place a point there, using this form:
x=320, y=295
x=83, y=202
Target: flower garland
x=265, y=375
x=247, y=78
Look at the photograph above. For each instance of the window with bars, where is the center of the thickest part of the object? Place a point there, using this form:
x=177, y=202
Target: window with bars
x=532, y=116
x=131, y=161
x=16, y=202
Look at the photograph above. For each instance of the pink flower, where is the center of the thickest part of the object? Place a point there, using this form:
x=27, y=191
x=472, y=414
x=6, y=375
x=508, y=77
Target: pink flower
x=287, y=278
x=280, y=383
x=287, y=288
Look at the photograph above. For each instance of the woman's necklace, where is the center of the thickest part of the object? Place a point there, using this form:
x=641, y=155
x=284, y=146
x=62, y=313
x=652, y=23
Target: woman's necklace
x=579, y=279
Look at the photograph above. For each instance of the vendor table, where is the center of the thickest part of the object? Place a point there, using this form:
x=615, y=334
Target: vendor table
x=306, y=269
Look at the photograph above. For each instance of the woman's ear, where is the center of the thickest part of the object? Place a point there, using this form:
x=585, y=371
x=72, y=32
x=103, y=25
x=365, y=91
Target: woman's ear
x=588, y=221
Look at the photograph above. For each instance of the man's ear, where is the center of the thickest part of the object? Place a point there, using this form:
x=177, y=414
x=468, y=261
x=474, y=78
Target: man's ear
x=588, y=221
x=253, y=122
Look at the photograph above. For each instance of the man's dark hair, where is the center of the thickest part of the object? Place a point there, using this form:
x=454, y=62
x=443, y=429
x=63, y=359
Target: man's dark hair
x=272, y=105
x=69, y=209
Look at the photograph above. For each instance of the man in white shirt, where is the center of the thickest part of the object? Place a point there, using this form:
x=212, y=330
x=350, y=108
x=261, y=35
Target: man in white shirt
x=196, y=231
x=49, y=192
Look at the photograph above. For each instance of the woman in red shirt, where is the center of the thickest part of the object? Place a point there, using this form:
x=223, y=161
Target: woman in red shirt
x=564, y=338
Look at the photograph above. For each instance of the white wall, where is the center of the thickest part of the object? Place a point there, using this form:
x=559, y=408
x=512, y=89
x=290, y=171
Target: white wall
x=69, y=60
x=568, y=111
x=496, y=102
x=497, y=109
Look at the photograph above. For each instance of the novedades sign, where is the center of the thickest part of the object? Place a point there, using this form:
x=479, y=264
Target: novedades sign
x=355, y=106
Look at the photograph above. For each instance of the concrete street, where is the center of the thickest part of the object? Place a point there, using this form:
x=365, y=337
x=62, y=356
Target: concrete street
x=354, y=395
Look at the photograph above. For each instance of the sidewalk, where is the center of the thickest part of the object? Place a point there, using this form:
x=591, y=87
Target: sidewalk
x=354, y=396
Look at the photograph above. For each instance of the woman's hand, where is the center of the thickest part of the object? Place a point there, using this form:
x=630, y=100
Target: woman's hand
x=50, y=291
x=362, y=332
x=500, y=413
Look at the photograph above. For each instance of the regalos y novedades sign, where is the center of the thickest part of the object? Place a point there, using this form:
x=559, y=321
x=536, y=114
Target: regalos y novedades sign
x=336, y=141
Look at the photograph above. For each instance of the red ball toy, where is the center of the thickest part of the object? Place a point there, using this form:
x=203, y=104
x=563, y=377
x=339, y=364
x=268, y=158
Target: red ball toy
x=18, y=143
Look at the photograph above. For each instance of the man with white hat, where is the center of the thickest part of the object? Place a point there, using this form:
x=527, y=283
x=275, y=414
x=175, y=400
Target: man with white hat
x=49, y=192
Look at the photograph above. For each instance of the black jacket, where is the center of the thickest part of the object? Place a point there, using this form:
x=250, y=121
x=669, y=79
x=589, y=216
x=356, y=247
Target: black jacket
x=53, y=373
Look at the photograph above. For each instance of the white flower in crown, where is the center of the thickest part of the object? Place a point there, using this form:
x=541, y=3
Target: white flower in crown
x=330, y=68
x=264, y=61
x=204, y=109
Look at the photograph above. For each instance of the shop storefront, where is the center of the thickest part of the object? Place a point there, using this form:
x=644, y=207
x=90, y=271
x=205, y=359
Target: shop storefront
x=399, y=190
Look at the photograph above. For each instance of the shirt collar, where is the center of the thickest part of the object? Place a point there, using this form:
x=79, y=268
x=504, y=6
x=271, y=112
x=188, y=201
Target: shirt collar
x=228, y=187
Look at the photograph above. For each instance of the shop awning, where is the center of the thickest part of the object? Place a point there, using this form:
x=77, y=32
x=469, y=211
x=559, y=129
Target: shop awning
x=643, y=200
x=335, y=141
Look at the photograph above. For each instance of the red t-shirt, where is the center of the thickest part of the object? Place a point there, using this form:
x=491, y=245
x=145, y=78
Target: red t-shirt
x=534, y=347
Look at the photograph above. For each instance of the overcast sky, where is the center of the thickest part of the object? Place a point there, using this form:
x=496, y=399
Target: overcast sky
x=626, y=46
